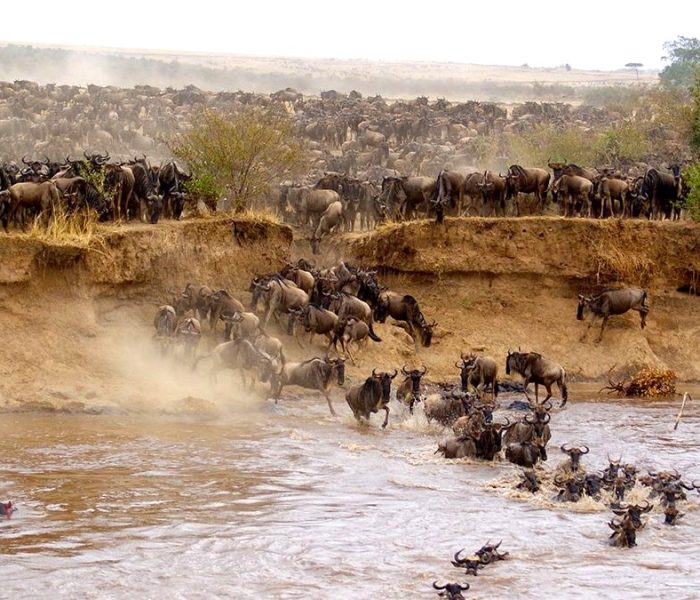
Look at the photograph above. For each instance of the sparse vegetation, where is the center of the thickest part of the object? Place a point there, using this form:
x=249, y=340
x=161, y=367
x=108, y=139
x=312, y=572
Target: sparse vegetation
x=79, y=228
x=239, y=155
x=691, y=175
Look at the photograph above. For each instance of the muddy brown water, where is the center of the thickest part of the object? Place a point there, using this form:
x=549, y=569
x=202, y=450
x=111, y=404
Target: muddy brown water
x=288, y=502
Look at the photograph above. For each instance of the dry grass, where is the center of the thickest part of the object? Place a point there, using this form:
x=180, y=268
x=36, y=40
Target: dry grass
x=80, y=228
x=259, y=215
x=623, y=266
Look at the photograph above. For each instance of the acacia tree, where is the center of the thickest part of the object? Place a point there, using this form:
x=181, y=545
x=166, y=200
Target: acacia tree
x=239, y=154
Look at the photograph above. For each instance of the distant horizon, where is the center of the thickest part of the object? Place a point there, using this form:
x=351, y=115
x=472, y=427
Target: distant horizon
x=174, y=52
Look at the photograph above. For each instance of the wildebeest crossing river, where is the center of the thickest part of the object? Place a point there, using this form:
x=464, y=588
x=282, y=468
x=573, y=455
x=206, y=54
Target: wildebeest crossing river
x=288, y=502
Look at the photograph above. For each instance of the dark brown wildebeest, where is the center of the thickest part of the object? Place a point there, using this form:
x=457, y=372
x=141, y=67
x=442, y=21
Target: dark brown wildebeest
x=527, y=181
x=404, y=195
x=42, y=197
x=479, y=371
x=575, y=454
x=572, y=487
x=489, y=553
x=451, y=591
x=535, y=368
x=457, y=447
x=612, y=302
x=471, y=563
x=529, y=481
x=449, y=190
x=531, y=427
x=299, y=275
x=120, y=179
x=371, y=396
x=314, y=320
x=189, y=333
x=403, y=307
x=565, y=168
x=526, y=454
x=196, y=298
x=314, y=374
x=662, y=190
x=409, y=390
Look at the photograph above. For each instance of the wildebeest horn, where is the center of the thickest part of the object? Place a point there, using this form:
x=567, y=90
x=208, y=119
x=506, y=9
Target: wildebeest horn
x=648, y=507
x=547, y=405
x=547, y=417
x=374, y=374
x=85, y=154
x=528, y=419
x=403, y=370
x=458, y=365
x=558, y=480
x=424, y=371
x=457, y=559
x=563, y=448
x=395, y=373
x=438, y=587
x=464, y=587
x=587, y=450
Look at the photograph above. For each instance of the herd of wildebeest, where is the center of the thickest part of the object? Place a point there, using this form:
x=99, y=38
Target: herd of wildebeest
x=383, y=159
x=343, y=303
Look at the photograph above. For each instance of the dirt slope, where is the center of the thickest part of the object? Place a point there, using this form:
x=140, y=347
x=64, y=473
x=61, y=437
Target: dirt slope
x=76, y=321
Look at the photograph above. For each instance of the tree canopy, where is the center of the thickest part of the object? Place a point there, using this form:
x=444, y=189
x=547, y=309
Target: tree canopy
x=683, y=53
x=239, y=154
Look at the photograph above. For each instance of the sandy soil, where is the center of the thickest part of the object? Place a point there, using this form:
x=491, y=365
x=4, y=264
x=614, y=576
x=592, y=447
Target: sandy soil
x=76, y=321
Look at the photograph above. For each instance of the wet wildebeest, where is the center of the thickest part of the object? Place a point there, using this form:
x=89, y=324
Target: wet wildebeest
x=471, y=563
x=489, y=553
x=479, y=371
x=315, y=374
x=574, y=455
x=624, y=533
x=165, y=323
x=458, y=447
x=189, y=333
x=371, y=396
x=573, y=487
x=612, y=302
x=237, y=354
x=445, y=409
x=409, y=390
x=6, y=509
x=405, y=308
x=535, y=368
x=526, y=454
x=451, y=591
x=531, y=426
x=529, y=481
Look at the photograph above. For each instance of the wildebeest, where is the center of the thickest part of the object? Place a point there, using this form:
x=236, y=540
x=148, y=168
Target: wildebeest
x=535, y=368
x=493, y=190
x=610, y=189
x=451, y=591
x=571, y=487
x=189, y=333
x=280, y=295
x=403, y=307
x=240, y=324
x=315, y=374
x=662, y=190
x=329, y=221
x=573, y=188
x=471, y=563
x=575, y=454
x=371, y=396
x=478, y=371
x=531, y=427
x=527, y=181
x=528, y=481
x=347, y=331
x=237, y=354
x=445, y=409
x=222, y=302
x=345, y=305
x=165, y=323
x=6, y=509
x=526, y=454
x=42, y=197
x=409, y=390
x=458, y=447
x=612, y=302
x=315, y=320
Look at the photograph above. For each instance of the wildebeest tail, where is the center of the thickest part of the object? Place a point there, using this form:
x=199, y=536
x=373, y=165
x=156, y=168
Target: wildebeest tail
x=373, y=336
x=645, y=300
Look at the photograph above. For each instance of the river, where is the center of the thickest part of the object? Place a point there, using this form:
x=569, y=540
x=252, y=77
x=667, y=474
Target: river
x=287, y=502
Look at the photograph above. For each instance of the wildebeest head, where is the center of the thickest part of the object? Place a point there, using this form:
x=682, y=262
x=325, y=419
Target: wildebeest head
x=257, y=289
x=573, y=487
x=633, y=512
x=426, y=333
x=583, y=307
x=592, y=484
x=671, y=514
x=385, y=379
x=178, y=204
x=7, y=508
x=529, y=481
x=451, y=591
x=415, y=376
x=489, y=552
x=471, y=563
x=154, y=206
x=574, y=454
x=339, y=366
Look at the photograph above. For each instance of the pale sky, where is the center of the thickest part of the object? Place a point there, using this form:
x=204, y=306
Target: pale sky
x=593, y=34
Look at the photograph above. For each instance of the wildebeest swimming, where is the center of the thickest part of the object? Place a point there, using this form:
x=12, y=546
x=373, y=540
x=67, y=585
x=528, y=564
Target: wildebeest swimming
x=612, y=302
